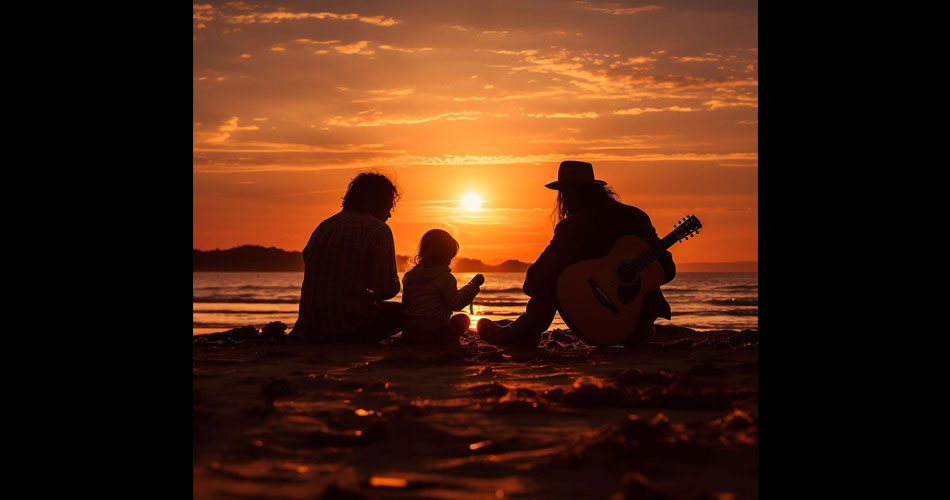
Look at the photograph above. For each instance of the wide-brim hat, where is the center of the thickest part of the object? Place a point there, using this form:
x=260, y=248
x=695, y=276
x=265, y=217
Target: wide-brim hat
x=573, y=173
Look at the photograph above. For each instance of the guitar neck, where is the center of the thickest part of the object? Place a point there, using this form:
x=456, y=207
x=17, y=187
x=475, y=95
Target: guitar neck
x=668, y=240
x=650, y=255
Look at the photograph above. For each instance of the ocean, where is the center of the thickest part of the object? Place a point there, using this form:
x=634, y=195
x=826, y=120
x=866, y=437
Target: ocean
x=702, y=301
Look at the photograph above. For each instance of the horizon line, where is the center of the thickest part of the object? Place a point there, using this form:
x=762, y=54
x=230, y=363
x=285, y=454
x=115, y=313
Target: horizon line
x=756, y=262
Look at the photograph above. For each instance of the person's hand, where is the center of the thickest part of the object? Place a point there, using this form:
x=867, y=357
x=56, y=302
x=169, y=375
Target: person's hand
x=371, y=303
x=479, y=279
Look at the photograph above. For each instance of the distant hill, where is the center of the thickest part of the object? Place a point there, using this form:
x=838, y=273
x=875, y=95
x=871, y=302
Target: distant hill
x=477, y=266
x=248, y=258
x=254, y=258
x=464, y=265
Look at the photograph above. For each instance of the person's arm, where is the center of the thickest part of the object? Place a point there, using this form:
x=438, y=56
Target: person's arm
x=458, y=299
x=385, y=280
x=562, y=251
x=663, y=256
x=669, y=267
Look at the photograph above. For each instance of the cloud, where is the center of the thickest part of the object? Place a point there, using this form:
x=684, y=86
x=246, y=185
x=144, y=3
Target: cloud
x=638, y=60
x=355, y=48
x=399, y=49
x=640, y=111
x=223, y=132
x=375, y=118
x=695, y=59
x=393, y=92
x=241, y=13
x=616, y=9
x=586, y=73
x=316, y=42
x=507, y=52
x=279, y=147
x=589, y=114
x=515, y=96
x=202, y=13
x=625, y=140
x=740, y=159
x=382, y=95
x=732, y=102
x=380, y=21
x=232, y=125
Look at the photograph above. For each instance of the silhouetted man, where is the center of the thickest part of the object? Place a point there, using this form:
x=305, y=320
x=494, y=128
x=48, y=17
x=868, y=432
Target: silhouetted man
x=351, y=270
x=590, y=220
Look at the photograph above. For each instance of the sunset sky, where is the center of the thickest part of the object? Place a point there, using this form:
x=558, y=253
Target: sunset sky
x=292, y=99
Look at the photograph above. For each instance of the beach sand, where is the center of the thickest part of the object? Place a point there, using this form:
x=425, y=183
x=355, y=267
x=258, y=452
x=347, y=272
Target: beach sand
x=675, y=418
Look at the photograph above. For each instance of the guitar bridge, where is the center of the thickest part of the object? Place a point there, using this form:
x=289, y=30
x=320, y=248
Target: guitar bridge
x=601, y=296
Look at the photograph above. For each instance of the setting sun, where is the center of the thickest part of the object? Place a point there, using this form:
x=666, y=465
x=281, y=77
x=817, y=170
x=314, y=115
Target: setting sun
x=472, y=202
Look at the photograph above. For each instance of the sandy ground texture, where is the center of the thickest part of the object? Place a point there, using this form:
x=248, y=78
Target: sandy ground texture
x=675, y=418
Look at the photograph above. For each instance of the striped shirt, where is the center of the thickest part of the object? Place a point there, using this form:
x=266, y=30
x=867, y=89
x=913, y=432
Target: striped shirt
x=347, y=254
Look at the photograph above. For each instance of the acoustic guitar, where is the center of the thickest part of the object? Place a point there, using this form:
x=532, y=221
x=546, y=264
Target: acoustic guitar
x=600, y=299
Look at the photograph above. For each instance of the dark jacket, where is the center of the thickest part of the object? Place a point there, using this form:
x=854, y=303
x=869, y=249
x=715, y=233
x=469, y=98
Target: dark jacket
x=589, y=234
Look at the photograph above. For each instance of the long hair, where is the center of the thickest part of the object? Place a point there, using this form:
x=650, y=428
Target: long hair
x=572, y=199
x=370, y=192
x=437, y=248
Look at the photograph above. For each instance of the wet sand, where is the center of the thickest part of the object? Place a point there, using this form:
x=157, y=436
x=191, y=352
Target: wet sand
x=675, y=418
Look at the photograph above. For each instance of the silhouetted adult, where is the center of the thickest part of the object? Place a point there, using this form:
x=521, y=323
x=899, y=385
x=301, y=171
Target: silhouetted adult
x=590, y=220
x=351, y=270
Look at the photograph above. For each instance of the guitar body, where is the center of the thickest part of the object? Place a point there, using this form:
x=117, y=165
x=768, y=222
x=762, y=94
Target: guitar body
x=601, y=299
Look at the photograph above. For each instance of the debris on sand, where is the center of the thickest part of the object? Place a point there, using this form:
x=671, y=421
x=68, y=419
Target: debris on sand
x=639, y=487
x=274, y=329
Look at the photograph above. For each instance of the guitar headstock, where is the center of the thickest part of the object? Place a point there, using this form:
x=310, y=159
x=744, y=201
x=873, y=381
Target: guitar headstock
x=687, y=227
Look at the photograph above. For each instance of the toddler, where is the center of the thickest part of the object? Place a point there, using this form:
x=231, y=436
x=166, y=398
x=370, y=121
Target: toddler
x=430, y=294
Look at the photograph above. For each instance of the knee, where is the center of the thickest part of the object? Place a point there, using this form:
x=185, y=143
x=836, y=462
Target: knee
x=461, y=321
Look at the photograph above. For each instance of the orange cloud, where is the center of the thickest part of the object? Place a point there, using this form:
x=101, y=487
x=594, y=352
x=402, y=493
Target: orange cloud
x=616, y=9
x=316, y=42
x=639, y=111
x=399, y=49
x=589, y=114
x=375, y=118
x=355, y=48
x=242, y=13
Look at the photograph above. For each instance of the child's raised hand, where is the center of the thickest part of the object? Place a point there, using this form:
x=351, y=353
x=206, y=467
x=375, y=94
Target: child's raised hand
x=479, y=279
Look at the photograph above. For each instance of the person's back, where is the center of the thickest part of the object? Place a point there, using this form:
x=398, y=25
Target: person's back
x=590, y=233
x=350, y=270
x=431, y=294
x=346, y=255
